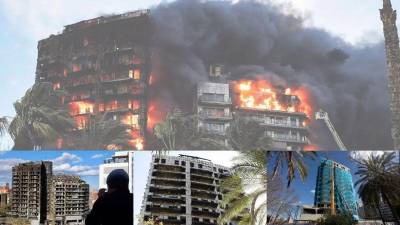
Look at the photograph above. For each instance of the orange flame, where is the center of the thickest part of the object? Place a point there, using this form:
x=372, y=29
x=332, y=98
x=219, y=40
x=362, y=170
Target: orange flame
x=262, y=95
x=81, y=107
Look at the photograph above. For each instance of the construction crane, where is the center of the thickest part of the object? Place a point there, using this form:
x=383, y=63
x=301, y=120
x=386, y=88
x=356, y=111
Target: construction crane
x=322, y=115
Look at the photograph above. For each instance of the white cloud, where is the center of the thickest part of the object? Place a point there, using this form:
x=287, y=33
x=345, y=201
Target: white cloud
x=6, y=165
x=312, y=191
x=96, y=156
x=67, y=164
x=66, y=157
x=357, y=155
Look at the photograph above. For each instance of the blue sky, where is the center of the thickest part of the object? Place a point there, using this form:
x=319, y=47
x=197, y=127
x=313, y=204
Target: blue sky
x=82, y=163
x=305, y=190
x=24, y=22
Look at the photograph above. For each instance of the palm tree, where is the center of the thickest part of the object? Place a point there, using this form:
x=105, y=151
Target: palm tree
x=4, y=123
x=245, y=134
x=379, y=181
x=105, y=133
x=179, y=132
x=40, y=118
x=250, y=169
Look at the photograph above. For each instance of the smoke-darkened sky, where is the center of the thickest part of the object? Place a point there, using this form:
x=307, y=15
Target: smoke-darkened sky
x=348, y=80
x=258, y=39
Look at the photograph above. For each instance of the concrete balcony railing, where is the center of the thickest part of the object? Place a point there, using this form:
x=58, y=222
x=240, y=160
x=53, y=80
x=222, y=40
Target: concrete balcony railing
x=215, y=116
x=208, y=100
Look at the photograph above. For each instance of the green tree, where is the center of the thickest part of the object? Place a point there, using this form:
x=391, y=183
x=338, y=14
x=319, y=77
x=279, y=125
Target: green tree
x=105, y=133
x=250, y=170
x=379, y=181
x=179, y=132
x=40, y=118
x=340, y=219
x=247, y=134
x=182, y=132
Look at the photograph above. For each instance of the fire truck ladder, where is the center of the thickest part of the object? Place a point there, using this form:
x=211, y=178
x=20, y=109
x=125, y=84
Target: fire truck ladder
x=322, y=115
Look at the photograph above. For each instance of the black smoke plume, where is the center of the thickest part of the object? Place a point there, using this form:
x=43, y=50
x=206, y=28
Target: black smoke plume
x=259, y=39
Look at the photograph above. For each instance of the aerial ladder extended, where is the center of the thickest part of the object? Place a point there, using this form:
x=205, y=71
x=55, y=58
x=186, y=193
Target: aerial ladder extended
x=322, y=115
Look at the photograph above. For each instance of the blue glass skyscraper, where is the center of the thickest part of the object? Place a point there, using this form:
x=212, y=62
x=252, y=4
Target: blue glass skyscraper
x=344, y=194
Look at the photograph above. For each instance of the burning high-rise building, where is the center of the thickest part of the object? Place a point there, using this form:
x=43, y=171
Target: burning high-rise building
x=388, y=17
x=104, y=65
x=214, y=104
x=283, y=112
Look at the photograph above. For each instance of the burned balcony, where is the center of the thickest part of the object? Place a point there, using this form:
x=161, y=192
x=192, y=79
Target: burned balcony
x=167, y=183
x=200, y=186
x=196, y=221
x=165, y=209
x=201, y=179
x=131, y=90
x=214, y=99
x=170, y=168
x=204, y=203
x=204, y=212
x=168, y=175
x=173, y=221
x=201, y=172
x=167, y=191
x=166, y=200
x=203, y=195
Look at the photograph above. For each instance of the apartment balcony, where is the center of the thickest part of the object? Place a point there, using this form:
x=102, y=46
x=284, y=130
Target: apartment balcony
x=289, y=138
x=204, y=187
x=173, y=221
x=173, y=200
x=214, y=101
x=169, y=183
x=203, y=195
x=201, y=172
x=204, y=203
x=118, y=80
x=283, y=124
x=165, y=209
x=205, y=213
x=168, y=175
x=168, y=191
x=170, y=168
x=134, y=92
x=201, y=179
x=215, y=116
x=203, y=223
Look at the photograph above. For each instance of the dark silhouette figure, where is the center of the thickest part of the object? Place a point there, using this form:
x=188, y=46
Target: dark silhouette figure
x=101, y=192
x=114, y=207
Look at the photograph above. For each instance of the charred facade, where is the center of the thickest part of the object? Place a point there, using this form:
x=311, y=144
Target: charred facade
x=103, y=64
x=69, y=200
x=183, y=190
x=30, y=198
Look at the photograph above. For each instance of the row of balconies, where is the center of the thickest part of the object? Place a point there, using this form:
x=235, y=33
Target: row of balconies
x=170, y=168
x=166, y=209
x=168, y=175
x=168, y=191
x=173, y=183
